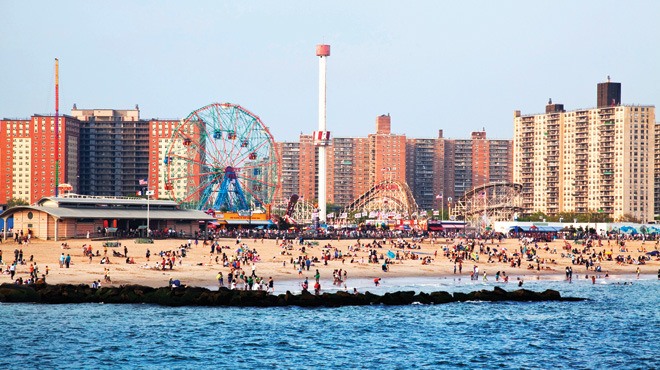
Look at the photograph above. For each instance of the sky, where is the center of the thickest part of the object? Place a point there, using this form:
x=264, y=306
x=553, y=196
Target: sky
x=459, y=66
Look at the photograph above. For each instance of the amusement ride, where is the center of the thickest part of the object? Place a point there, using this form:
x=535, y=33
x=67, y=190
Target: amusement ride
x=221, y=158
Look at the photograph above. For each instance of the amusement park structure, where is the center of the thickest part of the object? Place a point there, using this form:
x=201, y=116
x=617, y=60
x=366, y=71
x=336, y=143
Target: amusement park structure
x=488, y=203
x=222, y=158
x=322, y=137
x=388, y=196
x=296, y=211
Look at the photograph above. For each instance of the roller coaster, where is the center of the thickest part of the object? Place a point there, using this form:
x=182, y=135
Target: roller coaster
x=386, y=196
x=488, y=203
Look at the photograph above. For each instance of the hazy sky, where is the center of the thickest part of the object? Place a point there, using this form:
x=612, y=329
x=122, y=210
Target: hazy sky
x=459, y=66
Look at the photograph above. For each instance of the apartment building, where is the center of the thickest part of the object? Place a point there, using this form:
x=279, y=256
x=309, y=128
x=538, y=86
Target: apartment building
x=387, y=153
x=588, y=160
x=27, y=149
x=288, y=171
x=113, y=149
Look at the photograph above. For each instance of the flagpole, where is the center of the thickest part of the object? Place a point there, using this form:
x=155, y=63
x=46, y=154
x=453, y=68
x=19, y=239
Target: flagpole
x=442, y=207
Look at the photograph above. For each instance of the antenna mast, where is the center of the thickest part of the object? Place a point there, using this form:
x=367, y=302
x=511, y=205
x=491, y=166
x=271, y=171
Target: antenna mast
x=57, y=126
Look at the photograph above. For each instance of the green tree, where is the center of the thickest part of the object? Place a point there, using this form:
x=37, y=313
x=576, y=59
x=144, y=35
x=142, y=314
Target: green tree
x=13, y=202
x=630, y=218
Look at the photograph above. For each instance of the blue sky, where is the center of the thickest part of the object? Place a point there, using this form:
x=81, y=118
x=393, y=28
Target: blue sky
x=459, y=66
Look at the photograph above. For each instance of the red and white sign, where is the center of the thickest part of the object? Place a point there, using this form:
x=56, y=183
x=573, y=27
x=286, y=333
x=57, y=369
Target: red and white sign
x=321, y=137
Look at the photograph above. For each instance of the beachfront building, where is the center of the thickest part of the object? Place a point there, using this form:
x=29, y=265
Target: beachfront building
x=425, y=174
x=113, y=151
x=308, y=165
x=656, y=185
x=387, y=153
x=27, y=148
x=288, y=171
x=76, y=216
x=175, y=179
x=470, y=163
x=595, y=160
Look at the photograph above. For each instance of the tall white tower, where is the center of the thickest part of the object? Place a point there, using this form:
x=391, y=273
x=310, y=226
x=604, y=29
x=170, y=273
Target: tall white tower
x=322, y=137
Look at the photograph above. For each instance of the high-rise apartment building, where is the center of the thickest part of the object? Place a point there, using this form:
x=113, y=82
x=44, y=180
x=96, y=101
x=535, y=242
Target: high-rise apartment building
x=362, y=180
x=500, y=160
x=28, y=161
x=178, y=179
x=114, y=148
x=587, y=160
x=387, y=153
x=288, y=171
x=308, y=164
x=656, y=185
x=347, y=169
x=341, y=170
x=425, y=171
x=474, y=162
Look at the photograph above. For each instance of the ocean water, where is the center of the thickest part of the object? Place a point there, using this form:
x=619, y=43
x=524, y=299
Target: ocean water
x=617, y=328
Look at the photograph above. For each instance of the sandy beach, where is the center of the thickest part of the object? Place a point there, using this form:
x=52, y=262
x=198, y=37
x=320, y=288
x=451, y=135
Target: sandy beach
x=199, y=267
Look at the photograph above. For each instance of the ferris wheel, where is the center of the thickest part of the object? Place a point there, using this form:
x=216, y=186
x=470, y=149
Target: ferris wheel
x=221, y=157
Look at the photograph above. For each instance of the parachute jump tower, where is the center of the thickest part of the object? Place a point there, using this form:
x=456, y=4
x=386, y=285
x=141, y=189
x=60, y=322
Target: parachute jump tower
x=322, y=137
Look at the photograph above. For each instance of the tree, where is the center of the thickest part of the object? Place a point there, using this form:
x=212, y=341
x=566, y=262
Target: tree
x=14, y=202
x=630, y=218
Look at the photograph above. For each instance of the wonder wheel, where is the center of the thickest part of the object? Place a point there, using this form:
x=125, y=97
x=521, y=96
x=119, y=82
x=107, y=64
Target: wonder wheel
x=221, y=157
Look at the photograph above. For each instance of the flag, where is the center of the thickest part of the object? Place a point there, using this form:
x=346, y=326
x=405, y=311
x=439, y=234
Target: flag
x=344, y=215
x=138, y=193
x=149, y=192
x=439, y=196
x=436, y=213
x=143, y=182
x=331, y=215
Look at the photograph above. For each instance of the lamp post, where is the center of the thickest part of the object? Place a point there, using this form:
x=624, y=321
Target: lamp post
x=149, y=194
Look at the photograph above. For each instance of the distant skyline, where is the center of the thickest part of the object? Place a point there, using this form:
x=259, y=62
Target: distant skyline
x=455, y=66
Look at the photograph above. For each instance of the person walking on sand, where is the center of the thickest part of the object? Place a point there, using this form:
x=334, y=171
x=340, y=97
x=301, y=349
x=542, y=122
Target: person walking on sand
x=62, y=260
x=637, y=272
x=67, y=260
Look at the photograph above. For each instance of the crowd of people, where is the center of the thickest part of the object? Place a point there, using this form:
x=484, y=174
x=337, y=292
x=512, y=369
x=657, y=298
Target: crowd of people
x=383, y=248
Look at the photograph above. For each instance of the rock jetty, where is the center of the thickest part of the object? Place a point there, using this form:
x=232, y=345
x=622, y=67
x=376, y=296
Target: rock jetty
x=195, y=296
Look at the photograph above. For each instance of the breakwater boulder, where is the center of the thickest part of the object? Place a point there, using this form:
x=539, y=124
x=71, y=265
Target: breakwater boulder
x=195, y=296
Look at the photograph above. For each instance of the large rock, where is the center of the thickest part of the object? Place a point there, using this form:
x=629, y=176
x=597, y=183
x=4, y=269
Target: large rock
x=193, y=296
x=17, y=293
